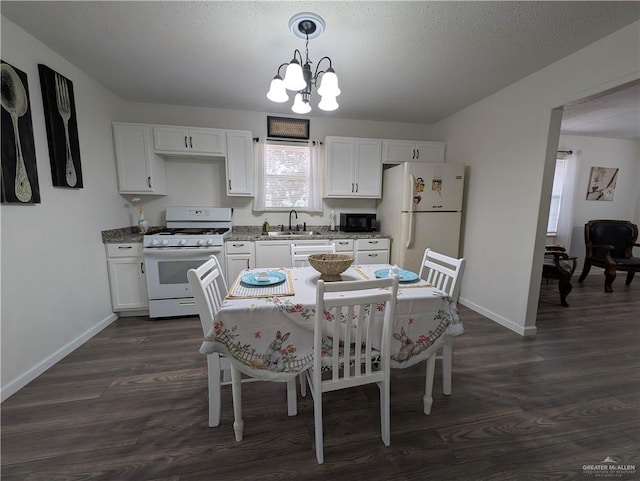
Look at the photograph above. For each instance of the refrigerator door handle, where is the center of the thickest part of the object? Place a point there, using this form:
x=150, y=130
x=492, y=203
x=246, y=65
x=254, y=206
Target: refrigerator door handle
x=412, y=183
x=410, y=236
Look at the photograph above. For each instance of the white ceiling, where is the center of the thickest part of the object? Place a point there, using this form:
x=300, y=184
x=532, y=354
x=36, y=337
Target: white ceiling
x=396, y=61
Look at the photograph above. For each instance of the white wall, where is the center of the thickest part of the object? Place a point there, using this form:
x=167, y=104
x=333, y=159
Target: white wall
x=55, y=292
x=202, y=182
x=504, y=141
x=623, y=154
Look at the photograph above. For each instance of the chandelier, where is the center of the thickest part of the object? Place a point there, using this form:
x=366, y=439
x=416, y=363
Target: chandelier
x=298, y=76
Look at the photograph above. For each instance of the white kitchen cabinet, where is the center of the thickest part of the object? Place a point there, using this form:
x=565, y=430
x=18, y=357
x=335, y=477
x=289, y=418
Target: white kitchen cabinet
x=277, y=253
x=240, y=255
x=239, y=163
x=398, y=151
x=139, y=169
x=192, y=141
x=343, y=246
x=353, y=167
x=127, y=283
x=372, y=251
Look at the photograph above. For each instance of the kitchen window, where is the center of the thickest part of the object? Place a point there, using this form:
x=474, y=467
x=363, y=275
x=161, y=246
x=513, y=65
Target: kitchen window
x=288, y=177
x=556, y=197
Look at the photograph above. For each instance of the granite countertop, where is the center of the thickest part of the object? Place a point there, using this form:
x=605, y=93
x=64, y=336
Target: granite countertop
x=254, y=233
x=125, y=235
x=243, y=233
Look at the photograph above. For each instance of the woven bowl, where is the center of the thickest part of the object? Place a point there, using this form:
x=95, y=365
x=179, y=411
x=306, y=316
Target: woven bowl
x=330, y=266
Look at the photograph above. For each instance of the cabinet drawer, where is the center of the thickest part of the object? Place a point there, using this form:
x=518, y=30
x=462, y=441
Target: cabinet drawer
x=372, y=257
x=343, y=245
x=239, y=247
x=133, y=249
x=372, y=244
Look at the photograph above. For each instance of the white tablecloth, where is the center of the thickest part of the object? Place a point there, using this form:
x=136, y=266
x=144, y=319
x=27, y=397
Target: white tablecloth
x=272, y=337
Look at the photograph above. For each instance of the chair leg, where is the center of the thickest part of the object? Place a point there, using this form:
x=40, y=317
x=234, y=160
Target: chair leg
x=630, y=275
x=317, y=417
x=447, y=355
x=585, y=270
x=609, y=277
x=292, y=402
x=385, y=421
x=303, y=385
x=213, y=375
x=428, y=389
x=236, y=390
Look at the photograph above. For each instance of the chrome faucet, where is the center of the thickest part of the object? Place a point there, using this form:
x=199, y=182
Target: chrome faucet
x=292, y=211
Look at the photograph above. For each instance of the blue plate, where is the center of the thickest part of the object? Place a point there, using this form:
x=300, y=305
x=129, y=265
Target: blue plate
x=273, y=279
x=403, y=276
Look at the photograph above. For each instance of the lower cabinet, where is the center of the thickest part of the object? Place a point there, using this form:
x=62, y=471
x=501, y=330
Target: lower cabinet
x=343, y=246
x=240, y=255
x=372, y=251
x=278, y=253
x=127, y=282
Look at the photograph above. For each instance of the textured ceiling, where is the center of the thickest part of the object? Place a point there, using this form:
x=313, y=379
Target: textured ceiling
x=396, y=61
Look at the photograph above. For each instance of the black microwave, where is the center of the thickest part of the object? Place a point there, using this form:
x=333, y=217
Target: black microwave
x=358, y=222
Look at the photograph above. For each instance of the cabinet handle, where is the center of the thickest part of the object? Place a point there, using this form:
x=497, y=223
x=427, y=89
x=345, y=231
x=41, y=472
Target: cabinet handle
x=125, y=247
x=372, y=255
x=248, y=264
x=237, y=245
x=418, y=156
x=185, y=142
x=356, y=187
x=149, y=181
x=373, y=242
x=229, y=185
x=142, y=267
x=343, y=243
x=191, y=142
x=351, y=186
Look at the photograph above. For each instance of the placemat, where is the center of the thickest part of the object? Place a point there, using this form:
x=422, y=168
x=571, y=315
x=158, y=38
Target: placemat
x=413, y=285
x=241, y=291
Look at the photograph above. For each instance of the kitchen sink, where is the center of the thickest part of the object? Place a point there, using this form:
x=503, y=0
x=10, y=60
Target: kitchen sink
x=288, y=233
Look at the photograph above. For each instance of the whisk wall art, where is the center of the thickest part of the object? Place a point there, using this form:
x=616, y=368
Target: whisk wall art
x=62, y=128
x=19, y=177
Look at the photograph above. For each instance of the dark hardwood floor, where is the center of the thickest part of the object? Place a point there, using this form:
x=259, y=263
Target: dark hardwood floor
x=130, y=405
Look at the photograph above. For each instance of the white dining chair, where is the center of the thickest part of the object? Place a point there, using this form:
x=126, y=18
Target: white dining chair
x=209, y=289
x=344, y=338
x=444, y=273
x=300, y=252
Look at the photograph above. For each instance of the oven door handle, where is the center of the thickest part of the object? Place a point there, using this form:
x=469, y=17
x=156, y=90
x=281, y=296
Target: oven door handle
x=182, y=251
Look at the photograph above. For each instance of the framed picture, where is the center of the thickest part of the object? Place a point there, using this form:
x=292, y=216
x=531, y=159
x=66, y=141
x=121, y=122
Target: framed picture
x=62, y=128
x=602, y=183
x=19, y=177
x=285, y=128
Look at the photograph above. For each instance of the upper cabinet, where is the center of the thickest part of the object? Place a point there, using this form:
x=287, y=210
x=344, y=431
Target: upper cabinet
x=191, y=141
x=239, y=163
x=398, y=151
x=353, y=167
x=139, y=169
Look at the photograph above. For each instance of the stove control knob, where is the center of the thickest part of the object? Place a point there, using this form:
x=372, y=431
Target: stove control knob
x=182, y=242
x=200, y=242
x=155, y=242
x=165, y=242
x=209, y=242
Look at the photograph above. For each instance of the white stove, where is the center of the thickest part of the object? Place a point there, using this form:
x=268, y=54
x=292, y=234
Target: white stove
x=192, y=235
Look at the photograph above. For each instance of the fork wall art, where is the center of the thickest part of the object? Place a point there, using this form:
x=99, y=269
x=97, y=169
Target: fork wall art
x=62, y=128
x=19, y=178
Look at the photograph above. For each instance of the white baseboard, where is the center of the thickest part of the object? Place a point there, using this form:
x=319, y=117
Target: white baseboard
x=518, y=329
x=21, y=381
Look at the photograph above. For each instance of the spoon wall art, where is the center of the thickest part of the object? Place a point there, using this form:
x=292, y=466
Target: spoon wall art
x=62, y=128
x=19, y=177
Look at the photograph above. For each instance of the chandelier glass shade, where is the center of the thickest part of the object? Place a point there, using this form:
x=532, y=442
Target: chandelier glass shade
x=299, y=77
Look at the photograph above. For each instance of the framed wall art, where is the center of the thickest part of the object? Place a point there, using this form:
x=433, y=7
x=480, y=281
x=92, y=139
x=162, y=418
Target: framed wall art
x=286, y=128
x=19, y=177
x=62, y=128
x=602, y=183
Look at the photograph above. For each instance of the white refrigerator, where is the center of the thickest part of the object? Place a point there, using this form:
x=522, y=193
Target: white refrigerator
x=421, y=207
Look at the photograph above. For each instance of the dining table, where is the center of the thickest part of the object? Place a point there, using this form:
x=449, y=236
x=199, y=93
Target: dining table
x=267, y=330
